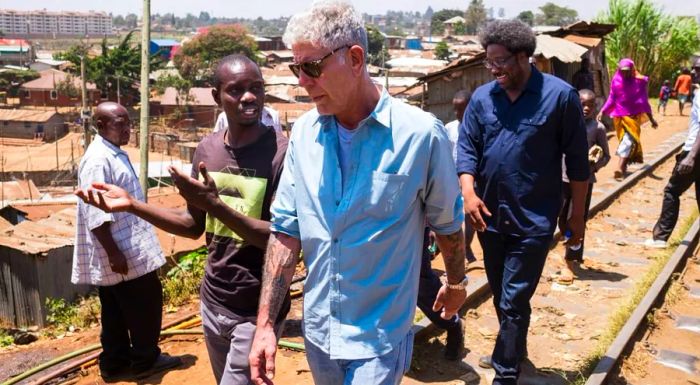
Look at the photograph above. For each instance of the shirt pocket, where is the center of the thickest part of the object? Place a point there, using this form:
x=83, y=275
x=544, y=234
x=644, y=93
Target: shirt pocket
x=384, y=195
x=491, y=127
x=538, y=141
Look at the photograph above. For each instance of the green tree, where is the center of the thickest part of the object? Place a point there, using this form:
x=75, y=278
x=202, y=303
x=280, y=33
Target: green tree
x=116, y=67
x=526, y=17
x=11, y=80
x=439, y=17
x=67, y=87
x=442, y=51
x=196, y=59
x=169, y=80
x=377, y=52
x=460, y=29
x=552, y=14
x=475, y=16
x=657, y=42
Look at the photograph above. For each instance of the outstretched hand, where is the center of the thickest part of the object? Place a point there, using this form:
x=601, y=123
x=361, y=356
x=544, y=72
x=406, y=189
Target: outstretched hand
x=201, y=194
x=107, y=197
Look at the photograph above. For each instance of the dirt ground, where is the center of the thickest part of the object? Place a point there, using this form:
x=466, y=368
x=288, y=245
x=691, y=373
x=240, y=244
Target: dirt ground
x=549, y=324
x=667, y=351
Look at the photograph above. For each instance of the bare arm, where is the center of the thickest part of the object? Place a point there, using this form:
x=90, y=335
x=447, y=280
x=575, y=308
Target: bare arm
x=280, y=261
x=112, y=198
x=452, y=250
x=117, y=260
x=576, y=224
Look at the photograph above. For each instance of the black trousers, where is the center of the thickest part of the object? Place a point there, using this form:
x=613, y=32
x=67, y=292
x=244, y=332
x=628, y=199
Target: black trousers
x=513, y=268
x=676, y=186
x=572, y=255
x=131, y=319
x=428, y=287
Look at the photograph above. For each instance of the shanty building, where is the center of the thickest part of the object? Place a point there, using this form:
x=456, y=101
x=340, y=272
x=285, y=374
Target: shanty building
x=35, y=264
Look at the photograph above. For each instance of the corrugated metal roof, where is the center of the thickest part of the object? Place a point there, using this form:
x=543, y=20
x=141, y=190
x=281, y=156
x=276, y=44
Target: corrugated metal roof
x=165, y=42
x=41, y=236
x=50, y=77
x=21, y=115
x=585, y=41
x=4, y=224
x=554, y=47
x=455, y=20
x=22, y=189
x=200, y=96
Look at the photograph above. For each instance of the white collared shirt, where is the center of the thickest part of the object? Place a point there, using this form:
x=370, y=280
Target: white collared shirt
x=107, y=163
x=270, y=118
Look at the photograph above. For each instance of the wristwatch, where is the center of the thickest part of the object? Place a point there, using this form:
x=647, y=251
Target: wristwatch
x=461, y=285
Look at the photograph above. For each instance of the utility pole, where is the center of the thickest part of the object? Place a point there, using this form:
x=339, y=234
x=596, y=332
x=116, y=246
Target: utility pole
x=84, y=114
x=119, y=95
x=143, y=133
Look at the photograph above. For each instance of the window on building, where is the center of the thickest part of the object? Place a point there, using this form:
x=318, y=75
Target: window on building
x=26, y=94
x=53, y=95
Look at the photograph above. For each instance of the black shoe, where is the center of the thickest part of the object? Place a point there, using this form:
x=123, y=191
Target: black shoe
x=455, y=342
x=163, y=362
x=116, y=375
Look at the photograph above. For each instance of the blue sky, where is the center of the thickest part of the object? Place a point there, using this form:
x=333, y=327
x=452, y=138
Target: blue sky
x=275, y=8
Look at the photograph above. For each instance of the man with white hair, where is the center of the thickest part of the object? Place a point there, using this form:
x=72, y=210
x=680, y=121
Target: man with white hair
x=363, y=173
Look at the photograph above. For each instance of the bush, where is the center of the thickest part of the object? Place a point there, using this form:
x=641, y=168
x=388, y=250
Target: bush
x=5, y=339
x=80, y=314
x=183, y=280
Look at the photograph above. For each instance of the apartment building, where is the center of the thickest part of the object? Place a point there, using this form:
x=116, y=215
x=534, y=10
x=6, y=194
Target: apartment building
x=47, y=23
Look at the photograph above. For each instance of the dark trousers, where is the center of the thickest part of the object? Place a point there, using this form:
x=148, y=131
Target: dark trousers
x=131, y=318
x=428, y=287
x=573, y=255
x=513, y=268
x=675, y=187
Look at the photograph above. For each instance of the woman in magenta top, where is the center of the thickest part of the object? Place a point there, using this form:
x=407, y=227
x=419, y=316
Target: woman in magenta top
x=628, y=105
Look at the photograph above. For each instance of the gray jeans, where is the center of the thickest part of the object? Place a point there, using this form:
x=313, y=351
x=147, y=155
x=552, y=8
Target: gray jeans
x=228, y=343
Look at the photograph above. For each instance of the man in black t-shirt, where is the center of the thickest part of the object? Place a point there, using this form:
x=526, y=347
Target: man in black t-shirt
x=234, y=176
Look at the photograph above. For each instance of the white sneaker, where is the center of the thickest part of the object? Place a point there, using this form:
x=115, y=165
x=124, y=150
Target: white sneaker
x=655, y=244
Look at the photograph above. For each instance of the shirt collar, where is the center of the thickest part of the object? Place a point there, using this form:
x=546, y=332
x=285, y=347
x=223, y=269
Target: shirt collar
x=534, y=83
x=381, y=113
x=114, y=150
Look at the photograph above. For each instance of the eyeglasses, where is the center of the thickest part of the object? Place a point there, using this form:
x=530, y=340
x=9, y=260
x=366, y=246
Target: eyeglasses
x=497, y=63
x=312, y=68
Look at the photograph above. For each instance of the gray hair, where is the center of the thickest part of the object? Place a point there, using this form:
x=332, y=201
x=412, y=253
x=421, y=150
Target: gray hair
x=328, y=24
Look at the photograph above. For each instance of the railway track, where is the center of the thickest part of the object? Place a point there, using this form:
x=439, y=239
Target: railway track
x=569, y=322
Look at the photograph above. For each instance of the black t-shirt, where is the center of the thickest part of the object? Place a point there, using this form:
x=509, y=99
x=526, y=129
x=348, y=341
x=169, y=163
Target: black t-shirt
x=246, y=179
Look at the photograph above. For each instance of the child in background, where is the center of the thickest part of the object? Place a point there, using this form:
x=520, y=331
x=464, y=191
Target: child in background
x=598, y=157
x=664, y=95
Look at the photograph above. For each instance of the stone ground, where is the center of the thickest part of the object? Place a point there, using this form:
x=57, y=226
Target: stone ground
x=668, y=350
x=566, y=320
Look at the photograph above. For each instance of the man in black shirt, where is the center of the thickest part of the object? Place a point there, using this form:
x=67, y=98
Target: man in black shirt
x=239, y=170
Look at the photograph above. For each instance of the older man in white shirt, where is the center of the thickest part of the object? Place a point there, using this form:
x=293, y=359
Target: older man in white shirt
x=119, y=253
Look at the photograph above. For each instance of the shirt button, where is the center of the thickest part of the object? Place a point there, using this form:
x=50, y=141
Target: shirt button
x=335, y=240
x=507, y=222
x=337, y=203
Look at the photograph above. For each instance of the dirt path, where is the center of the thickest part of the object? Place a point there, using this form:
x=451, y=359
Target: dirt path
x=561, y=336
x=668, y=351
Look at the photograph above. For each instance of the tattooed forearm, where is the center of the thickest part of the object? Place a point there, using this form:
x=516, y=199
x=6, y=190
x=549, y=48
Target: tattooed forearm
x=280, y=260
x=452, y=249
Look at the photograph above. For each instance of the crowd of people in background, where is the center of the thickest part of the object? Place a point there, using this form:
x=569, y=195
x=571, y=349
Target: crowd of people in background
x=360, y=174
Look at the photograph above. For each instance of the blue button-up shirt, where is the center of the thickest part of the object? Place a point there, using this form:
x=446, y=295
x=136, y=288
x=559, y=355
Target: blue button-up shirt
x=514, y=152
x=362, y=244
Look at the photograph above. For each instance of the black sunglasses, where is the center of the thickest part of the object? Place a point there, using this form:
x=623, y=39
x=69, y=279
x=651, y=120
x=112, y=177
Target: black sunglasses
x=312, y=68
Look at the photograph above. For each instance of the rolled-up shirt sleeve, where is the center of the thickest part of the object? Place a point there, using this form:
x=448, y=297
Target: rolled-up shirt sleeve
x=469, y=146
x=92, y=173
x=284, y=208
x=574, y=143
x=443, y=201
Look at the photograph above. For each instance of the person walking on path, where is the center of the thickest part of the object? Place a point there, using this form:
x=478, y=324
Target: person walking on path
x=664, y=96
x=685, y=174
x=363, y=174
x=598, y=157
x=120, y=254
x=239, y=168
x=628, y=105
x=511, y=142
x=683, y=88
